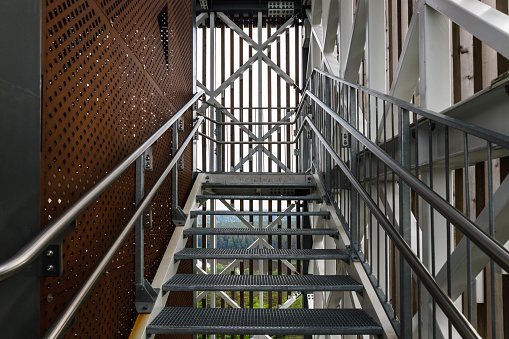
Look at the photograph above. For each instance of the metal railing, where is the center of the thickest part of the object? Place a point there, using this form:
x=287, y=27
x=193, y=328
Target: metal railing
x=56, y=229
x=389, y=178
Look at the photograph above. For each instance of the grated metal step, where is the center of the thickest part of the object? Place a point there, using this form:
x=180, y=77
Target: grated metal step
x=258, y=231
x=229, y=253
x=246, y=213
x=259, y=185
x=304, y=283
x=259, y=197
x=183, y=320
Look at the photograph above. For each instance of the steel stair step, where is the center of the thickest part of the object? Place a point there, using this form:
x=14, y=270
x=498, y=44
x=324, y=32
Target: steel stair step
x=259, y=231
x=259, y=185
x=183, y=320
x=304, y=283
x=272, y=213
x=228, y=253
x=258, y=197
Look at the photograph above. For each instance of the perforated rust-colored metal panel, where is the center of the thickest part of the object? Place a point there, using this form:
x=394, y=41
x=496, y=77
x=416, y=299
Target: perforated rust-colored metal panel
x=106, y=88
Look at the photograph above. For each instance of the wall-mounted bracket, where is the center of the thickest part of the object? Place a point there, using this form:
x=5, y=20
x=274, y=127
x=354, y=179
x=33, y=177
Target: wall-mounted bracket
x=51, y=258
x=179, y=217
x=346, y=139
x=180, y=164
x=148, y=159
x=145, y=296
x=180, y=124
x=147, y=218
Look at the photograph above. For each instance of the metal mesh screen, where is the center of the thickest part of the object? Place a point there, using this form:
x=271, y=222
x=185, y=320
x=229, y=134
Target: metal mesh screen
x=106, y=89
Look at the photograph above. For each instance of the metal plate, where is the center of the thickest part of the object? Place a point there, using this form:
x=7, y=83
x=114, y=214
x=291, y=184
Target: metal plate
x=106, y=89
x=264, y=321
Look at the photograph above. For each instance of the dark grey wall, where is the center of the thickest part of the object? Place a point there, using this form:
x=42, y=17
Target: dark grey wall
x=20, y=107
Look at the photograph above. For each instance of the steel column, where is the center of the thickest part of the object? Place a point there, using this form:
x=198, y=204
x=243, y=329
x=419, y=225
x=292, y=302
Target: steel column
x=405, y=273
x=353, y=168
x=20, y=135
x=212, y=83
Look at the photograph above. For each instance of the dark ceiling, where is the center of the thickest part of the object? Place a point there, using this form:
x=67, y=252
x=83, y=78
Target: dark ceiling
x=246, y=11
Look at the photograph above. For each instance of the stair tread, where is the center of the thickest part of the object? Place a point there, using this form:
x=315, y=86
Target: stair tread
x=258, y=197
x=259, y=185
x=258, y=231
x=227, y=282
x=229, y=253
x=184, y=320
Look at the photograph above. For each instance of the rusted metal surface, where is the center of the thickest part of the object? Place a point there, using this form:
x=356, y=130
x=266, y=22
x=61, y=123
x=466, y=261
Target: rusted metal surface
x=106, y=89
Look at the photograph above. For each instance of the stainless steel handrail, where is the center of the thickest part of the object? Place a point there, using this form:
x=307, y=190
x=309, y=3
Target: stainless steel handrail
x=59, y=326
x=480, y=132
x=491, y=247
x=51, y=232
x=463, y=326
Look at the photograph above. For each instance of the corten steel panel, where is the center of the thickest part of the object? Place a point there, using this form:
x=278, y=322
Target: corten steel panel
x=106, y=89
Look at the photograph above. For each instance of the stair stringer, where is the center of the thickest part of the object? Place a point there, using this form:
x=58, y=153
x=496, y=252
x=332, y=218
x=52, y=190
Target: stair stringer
x=168, y=267
x=369, y=302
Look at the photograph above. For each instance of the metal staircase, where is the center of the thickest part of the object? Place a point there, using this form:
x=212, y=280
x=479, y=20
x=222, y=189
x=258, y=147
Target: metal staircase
x=262, y=321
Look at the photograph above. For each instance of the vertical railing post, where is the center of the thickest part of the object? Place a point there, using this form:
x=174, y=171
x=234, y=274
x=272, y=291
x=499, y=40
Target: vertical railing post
x=219, y=137
x=405, y=279
x=174, y=174
x=138, y=227
x=328, y=135
x=353, y=168
x=212, y=86
x=145, y=295
x=312, y=148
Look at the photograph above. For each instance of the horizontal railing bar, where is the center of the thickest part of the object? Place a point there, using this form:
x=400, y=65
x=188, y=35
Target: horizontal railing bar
x=463, y=326
x=466, y=226
x=480, y=132
x=246, y=142
x=250, y=123
x=255, y=142
x=322, y=214
x=54, y=229
x=251, y=108
x=58, y=328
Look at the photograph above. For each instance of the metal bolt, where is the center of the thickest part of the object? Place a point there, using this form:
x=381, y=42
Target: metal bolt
x=49, y=298
x=50, y=268
x=49, y=253
x=106, y=273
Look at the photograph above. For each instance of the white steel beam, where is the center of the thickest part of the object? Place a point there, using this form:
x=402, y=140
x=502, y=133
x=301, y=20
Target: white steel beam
x=357, y=42
x=235, y=75
x=483, y=21
x=375, y=45
x=275, y=159
x=246, y=158
x=280, y=217
x=278, y=70
x=200, y=19
x=241, y=218
x=237, y=30
x=277, y=33
x=435, y=62
x=226, y=112
x=345, y=31
x=406, y=78
x=479, y=259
